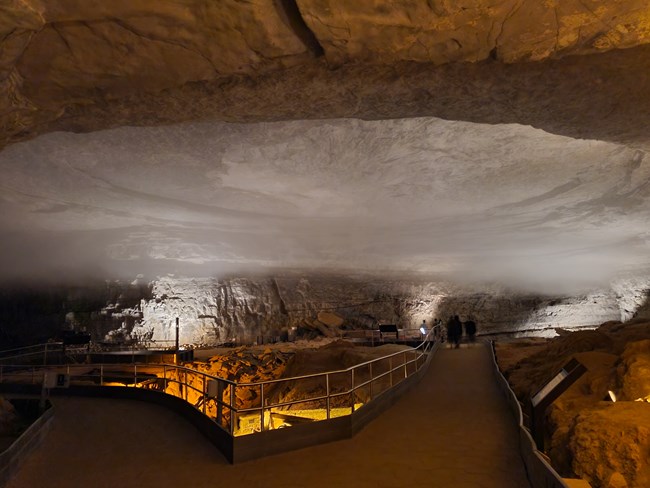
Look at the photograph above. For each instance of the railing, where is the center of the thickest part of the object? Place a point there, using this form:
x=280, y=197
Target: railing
x=37, y=353
x=540, y=472
x=374, y=336
x=246, y=407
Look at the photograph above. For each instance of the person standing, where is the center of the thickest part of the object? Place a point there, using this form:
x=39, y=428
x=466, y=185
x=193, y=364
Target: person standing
x=458, y=331
x=451, y=331
x=423, y=329
x=470, y=329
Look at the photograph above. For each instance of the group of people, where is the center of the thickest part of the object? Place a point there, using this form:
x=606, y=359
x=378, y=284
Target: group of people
x=453, y=333
x=455, y=330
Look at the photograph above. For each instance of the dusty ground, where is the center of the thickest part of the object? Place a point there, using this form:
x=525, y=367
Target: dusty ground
x=603, y=442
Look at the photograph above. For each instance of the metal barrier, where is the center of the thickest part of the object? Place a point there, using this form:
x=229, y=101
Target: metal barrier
x=247, y=407
x=30, y=353
x=540, y=473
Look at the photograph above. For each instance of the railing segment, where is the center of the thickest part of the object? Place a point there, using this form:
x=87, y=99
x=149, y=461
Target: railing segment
x=242, y=408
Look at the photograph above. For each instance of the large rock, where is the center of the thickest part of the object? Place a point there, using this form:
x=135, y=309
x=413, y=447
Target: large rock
x=612, y=442
x=331, y=319
x=634, y=372
x=603, y=442
x=442, y=31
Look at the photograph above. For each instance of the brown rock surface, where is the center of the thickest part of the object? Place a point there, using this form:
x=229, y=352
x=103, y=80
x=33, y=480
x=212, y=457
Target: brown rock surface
x=446, y=31
x=330, y=319
x=610, y=442
x=605, y=443
x=286, y=360
x=634, y=371
x=84, y=66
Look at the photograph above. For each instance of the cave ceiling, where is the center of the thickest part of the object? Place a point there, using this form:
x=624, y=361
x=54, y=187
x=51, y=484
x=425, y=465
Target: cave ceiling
x=493, y=139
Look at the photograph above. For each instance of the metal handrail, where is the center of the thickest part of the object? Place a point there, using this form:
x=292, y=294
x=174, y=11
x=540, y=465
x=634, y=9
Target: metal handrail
x=337, y=371
x=182, y=374
x=43, y=345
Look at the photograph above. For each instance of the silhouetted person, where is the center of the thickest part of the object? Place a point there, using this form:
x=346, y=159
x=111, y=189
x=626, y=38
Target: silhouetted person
x=458, y=331
x=470, y=330
x=451, y=330
x=454, y=331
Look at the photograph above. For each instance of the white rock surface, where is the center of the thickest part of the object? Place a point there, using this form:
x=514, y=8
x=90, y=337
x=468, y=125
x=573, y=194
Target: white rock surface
x=462, y=201
x=255, y=309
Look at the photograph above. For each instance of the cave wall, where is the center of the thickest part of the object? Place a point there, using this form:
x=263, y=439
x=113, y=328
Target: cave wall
x=254, y=309
x=443, y=31
x=31, y=314
x=86, y=65
x=245, y=309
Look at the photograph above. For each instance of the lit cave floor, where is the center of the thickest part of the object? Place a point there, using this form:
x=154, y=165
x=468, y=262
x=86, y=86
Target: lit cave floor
x=451, y=430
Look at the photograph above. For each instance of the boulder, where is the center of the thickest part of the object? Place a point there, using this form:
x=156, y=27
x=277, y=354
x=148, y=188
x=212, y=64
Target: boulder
x=330, y=319
x=634, y=371
x=610, y=444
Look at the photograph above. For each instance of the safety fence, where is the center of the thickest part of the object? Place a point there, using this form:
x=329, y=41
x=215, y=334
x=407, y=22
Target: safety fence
x=540, y=473
x=240, y=408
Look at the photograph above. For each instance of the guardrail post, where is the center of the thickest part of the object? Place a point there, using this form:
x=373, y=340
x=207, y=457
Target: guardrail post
x=352, y=391
x=327, y=388
x=371, y=378
x=45, y=355
x=232, y=409
x=135, y=375
x=390, y=369
x=205, y=393
x=164, y=377
x=101, y=375
x=405, y=370
x=219, y=401
x=262, y=407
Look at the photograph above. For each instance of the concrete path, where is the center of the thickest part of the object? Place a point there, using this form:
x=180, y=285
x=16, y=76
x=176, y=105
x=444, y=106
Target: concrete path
x=453, y=430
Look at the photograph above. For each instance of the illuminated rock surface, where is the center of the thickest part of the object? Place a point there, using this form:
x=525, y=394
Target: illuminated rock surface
x=535, y=173
x=442, y=199
x=519, y=194
x=600, y=441
x=293, y=306
x=85, y=66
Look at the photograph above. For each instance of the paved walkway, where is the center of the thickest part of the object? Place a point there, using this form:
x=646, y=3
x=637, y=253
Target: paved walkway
x=452, y=430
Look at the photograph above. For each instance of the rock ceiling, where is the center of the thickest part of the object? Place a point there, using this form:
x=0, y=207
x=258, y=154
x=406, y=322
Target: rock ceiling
x=543, y=173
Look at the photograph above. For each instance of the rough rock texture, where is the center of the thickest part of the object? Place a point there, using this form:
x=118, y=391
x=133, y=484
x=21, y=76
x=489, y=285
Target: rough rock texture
x=247, y=309
x=610, y=443
x=289, y=306
x=605, y=443
x=634, y=371
x=89, y=65
x=32, y=314
x=443, y=31
x=287, y=360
